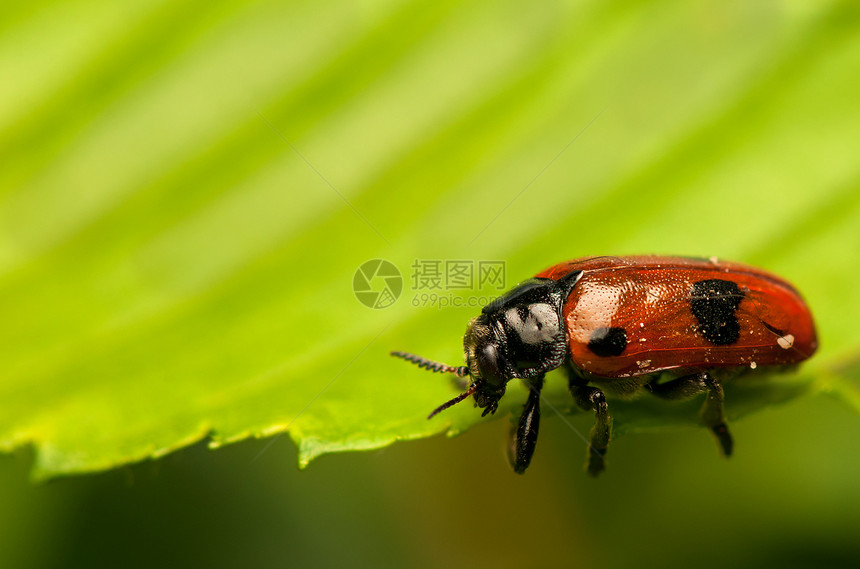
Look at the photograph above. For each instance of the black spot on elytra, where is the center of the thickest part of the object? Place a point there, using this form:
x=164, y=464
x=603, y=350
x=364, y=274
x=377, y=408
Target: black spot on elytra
x=714, y=303
x=606, y=342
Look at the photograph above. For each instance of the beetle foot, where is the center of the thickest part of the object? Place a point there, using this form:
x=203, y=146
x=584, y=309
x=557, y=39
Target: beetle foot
x=724, y=439
x=596, y=462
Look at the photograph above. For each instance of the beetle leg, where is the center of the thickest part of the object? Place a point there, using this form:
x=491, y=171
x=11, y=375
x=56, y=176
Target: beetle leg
x=523, y=436
x=712, y=413
x=590, y=398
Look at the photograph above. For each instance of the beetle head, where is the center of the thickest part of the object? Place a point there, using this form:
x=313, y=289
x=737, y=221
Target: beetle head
x=484, y=352
x=518, y=335
x=485, y=366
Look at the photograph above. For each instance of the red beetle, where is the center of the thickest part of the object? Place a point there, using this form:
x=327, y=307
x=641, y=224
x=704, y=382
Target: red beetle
x=674, y=326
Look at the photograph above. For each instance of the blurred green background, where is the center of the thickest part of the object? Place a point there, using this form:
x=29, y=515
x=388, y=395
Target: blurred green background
x=187, y=189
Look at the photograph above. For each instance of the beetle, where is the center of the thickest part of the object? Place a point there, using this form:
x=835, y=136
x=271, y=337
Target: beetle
x=676, y=327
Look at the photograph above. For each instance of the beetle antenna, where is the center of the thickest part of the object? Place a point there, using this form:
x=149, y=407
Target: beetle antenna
x=459, y=371
x=454, y=401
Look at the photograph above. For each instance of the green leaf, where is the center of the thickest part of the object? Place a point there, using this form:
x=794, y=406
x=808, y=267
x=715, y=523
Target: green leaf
x=187, y=191
x=842, y=381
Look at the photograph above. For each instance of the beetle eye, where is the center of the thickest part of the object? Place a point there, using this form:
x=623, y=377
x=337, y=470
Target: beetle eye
x=490, y=364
